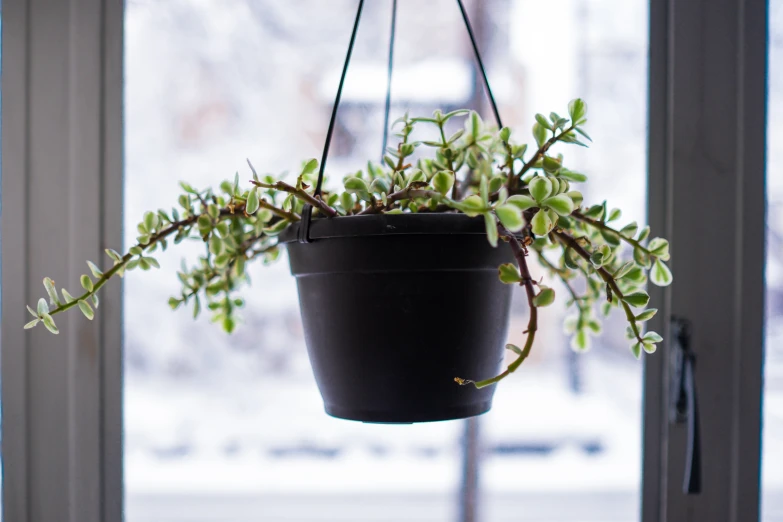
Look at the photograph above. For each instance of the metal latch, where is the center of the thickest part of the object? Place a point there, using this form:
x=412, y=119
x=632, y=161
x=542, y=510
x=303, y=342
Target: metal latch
x=683, y=401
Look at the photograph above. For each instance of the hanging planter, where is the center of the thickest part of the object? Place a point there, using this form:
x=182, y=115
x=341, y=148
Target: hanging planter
x=380, y=350
x=405, y=271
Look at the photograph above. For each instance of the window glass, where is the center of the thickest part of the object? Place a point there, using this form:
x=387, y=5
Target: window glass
x=232, y=427
x=772, y=434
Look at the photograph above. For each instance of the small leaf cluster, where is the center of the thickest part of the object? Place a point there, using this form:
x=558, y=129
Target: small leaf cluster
x=524, y=192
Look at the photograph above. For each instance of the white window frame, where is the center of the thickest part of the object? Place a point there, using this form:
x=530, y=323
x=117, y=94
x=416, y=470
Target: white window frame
x=62, y=161
x=707, y=145
x=61, y=197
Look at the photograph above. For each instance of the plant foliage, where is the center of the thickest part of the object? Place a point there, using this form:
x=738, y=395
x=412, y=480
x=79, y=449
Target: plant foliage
x=523, y=192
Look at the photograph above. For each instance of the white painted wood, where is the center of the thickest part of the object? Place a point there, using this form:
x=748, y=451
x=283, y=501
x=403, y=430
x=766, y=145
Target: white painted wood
x=707, y=162
x=62, y=200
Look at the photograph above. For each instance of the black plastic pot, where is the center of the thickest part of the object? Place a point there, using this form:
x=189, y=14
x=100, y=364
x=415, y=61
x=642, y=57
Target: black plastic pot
x=394, y=307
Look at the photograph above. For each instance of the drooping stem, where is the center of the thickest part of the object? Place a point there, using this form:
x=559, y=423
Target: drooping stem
x=103, y=279
x=315, y=202
x=570, y=242
x=520, y=254
x=542, y=151
x=603, y=226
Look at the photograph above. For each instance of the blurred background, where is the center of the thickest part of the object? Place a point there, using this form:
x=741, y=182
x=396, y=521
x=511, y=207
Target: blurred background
x=232, y=428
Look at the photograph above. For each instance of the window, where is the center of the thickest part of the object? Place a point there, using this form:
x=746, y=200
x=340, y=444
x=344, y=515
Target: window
x=772, y=474
x=208, y=86
x=225, y=425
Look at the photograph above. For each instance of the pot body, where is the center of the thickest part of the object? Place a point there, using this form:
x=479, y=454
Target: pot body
x=395, y=307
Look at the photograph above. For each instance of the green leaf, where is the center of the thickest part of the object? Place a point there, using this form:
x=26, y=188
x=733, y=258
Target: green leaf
x=510, y=216
x=594, y=326
x=570, y=175
x=496, y=183
x=471, y=205
x=575, y=196
x=541, y=224
x=629, y=230
x=492, y=229
x=514, y=348
x=540, y=188
x=545, y=297
x=144, y=264
x=43, y=308
x=583, y=133
x=648, y=347
x=614, y=214
x=113, y=254
x=187, y=188
x=276, y=229
x=95, y=270
x=136, y=250
x=309, y=167
x=641, y=257
x=522, y=202
x=652, y=337
x=475, y=124
x=95, y=301
x=196, y=307
x=637, y=299
x=505, y=134
x=509, y=274
x=150, y=221
x=660, y=274
x=561, y=204
x=541, y=119
x=540, y=134
x=581, y=341
x=51, y=290
x=636, y=274
x=86, y=309
x=31, y=324
x=253, y=202
x=416, y=176
x=152, y=262
x=347, y=201
x=379, y=186
x=49, y=324
x=643, y=233
x=551, y=165
x=646, y=315
x=597, y=259
x=577, y=109
x=356, y=185
x=484, y=190
x=133, y=263
x=443, y=181
x=610, y=236
x=68, y=297
x=595, y=212
x=229, y=324
x=624, y=269
x=636, y=349
x=571, y=259
x=659, y=248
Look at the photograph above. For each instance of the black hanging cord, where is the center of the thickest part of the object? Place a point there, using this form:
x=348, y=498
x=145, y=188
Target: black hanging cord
x=307, y=210
x=304, y=224
x=480, y=63
x=389, y=79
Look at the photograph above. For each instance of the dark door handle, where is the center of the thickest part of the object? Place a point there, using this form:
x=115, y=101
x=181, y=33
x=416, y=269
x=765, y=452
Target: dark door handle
x=685, y=403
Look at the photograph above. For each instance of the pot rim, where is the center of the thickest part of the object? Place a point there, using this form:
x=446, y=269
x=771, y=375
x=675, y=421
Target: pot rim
x=425, y=223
